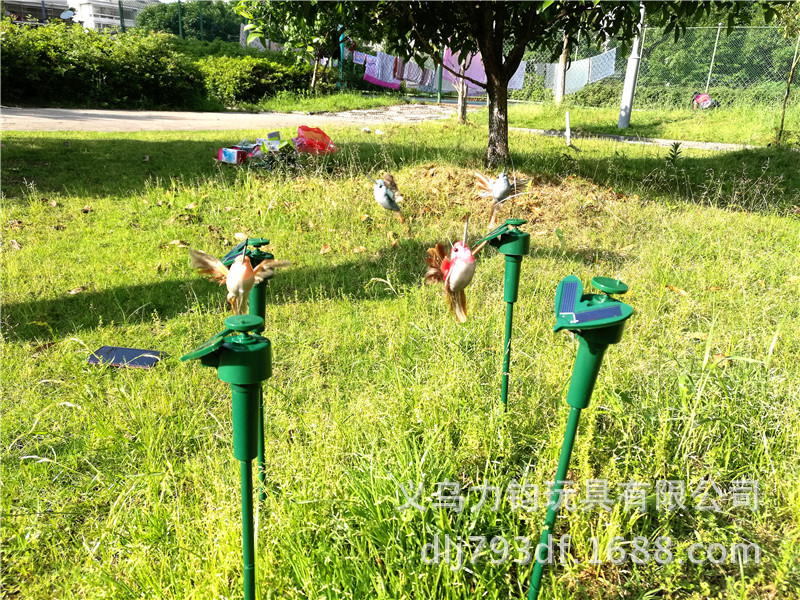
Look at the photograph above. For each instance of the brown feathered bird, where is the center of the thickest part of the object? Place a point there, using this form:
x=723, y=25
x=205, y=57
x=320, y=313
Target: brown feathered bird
x=239, y=278
x=455, y=273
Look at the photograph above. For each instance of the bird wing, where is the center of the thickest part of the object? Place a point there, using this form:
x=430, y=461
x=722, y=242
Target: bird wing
x=266, y=268
x=208, y=265
x=484, y=182
x=390, y=183
x=436, y=256
x=521, y=184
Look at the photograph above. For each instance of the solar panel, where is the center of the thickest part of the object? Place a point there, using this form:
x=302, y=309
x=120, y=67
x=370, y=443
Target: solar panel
x=597, y=314
x=568, y=295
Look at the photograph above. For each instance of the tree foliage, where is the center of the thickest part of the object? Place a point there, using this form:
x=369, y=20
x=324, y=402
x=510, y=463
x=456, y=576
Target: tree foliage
x=313, y=28
x=219, y=21
x=500, y=31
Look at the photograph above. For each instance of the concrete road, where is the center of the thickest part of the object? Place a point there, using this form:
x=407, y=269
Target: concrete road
x=60, y=119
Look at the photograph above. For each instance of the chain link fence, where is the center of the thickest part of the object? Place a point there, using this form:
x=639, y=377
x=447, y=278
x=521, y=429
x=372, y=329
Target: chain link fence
x=748, y=65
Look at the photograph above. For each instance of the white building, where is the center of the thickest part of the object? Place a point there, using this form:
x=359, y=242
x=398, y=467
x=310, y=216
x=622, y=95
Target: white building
x=92, y=14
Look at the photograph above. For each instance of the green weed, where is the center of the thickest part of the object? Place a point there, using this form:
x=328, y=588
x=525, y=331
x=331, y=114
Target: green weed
x=122, y=483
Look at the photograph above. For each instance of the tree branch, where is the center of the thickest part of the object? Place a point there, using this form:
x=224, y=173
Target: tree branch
x=433, y=53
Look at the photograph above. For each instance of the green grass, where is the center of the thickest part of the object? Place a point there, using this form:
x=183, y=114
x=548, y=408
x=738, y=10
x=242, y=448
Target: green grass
x=288, y=102
x=122, y=483
x=751, y=125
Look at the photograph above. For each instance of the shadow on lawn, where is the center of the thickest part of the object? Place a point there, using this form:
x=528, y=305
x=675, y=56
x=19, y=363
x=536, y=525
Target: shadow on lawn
x=109, y=166
x=357, y=279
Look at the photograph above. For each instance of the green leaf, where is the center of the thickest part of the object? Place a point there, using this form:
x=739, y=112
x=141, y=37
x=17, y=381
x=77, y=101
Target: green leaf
x=255, y=35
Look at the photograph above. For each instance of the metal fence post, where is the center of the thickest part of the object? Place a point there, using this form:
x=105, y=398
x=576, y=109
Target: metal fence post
x=629, y=87
x=121, y=16
x=713, y=55
x=180, y=20
x=439, y=88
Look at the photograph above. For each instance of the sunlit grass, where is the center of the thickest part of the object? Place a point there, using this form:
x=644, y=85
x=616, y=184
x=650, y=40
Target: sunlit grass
x=752, y=125
x=122, y=483
x=292, y=102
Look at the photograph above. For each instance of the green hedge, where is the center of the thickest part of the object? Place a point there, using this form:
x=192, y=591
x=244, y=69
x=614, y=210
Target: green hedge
x=63, y=65
x=70, y=66
x=233, y=80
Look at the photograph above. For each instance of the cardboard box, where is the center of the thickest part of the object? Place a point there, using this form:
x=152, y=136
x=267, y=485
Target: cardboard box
x=233, y=156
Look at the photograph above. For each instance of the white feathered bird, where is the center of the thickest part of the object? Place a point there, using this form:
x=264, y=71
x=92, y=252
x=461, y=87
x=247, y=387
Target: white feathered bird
x=498, y=190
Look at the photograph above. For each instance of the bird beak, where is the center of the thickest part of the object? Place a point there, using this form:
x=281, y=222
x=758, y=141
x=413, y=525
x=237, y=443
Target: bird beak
x=371, y=179
x=244, y=250
x=466, y=226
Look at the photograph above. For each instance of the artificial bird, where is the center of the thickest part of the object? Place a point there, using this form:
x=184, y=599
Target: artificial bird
x=499, y=190
x=239, y=278
x=455, y=273
x=387, y=195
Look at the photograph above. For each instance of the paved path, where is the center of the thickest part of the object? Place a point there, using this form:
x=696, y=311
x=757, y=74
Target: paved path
x=60, y=119
x=638, y=140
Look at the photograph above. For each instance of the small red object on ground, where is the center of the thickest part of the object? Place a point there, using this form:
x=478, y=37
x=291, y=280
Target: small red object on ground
x=313, y=140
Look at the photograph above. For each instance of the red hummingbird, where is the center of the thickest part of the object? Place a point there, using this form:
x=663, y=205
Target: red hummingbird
x=239, y=278
x=455, y=272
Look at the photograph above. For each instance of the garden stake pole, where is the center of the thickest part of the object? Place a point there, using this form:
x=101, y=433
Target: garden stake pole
x=514, y=244
x=243, y=360
x=258, y=307
x=342, y=38
x=597, y=320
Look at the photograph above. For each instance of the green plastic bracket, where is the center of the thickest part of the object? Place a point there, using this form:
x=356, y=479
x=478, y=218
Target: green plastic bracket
x=576, y=311
x=256, y=255
x=508, y=239
x=514, y=244
x=597, y=321
x=257, y=303
x=243, y=359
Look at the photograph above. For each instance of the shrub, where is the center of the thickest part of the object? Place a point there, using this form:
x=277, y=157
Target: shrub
x=232, y=80
x=196, y=49
x=68, y=65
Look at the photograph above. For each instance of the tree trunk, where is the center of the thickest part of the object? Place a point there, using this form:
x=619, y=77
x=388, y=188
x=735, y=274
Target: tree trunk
x=561, y=73
x=786, y=97
x=314, y=74
x=497, y=93
x=463, y=92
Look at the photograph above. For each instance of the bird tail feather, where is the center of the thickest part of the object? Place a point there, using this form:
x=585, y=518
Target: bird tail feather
x=483, y=182
x=240, y=305
x=495, y=206
x=457, y=303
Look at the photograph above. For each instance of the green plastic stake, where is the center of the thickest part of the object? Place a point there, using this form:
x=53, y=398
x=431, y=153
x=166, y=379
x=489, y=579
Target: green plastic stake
x=242, y=359
x=514, y=244
x=597, y=320
x=257, y=302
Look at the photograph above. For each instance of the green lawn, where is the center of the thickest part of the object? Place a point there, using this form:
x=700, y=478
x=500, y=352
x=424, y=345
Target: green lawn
x=752, y=125
x=122, y=483
x=289, y=102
